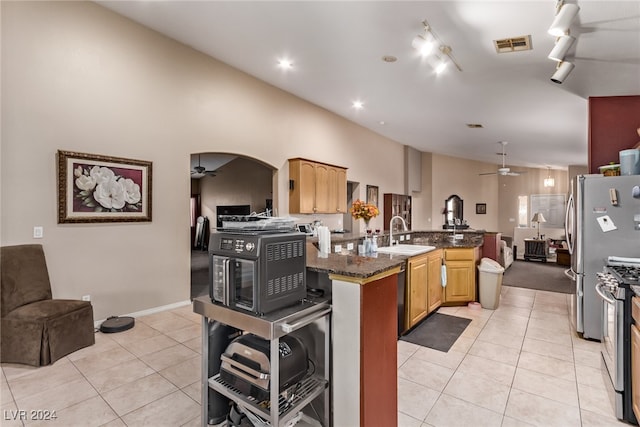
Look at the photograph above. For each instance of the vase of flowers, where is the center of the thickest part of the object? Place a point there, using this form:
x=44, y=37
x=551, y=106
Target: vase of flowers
x=364, y=211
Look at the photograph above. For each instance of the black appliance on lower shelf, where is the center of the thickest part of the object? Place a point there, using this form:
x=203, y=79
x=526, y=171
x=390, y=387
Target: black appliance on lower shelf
x=220, y=336
x=246, y=364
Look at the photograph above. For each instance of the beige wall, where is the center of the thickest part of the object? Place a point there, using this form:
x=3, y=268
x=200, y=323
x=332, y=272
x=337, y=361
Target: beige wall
x=76, y=76
x=510, y=187
x=451, y=175
x=240, y=182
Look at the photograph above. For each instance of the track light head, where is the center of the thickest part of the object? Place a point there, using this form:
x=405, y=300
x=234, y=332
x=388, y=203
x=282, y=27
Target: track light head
x=424, y=44
x=562, y=71
x=563, y=44
x=563, y=19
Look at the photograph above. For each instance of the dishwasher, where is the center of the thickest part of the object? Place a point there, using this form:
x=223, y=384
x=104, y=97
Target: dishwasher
x=402, y=286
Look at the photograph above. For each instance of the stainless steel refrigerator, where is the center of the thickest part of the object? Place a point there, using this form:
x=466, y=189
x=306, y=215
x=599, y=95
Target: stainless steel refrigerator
x=602, y=219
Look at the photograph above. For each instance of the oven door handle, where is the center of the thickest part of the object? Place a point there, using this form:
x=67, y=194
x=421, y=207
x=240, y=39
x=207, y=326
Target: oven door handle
x=227, y=281
x=601, y=292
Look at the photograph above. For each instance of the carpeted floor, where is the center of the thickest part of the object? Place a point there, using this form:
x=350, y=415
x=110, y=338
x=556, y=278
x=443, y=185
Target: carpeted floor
x=438, y=331
x=540, y=276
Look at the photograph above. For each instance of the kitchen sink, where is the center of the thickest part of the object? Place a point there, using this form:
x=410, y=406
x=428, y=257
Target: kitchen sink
x=403, y=249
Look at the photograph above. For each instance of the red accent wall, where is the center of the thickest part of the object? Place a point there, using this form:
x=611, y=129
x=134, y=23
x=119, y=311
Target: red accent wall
x=613, y=121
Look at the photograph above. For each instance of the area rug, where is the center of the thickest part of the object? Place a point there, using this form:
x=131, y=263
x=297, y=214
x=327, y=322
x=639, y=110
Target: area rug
x=438, y=331
x=538, y=275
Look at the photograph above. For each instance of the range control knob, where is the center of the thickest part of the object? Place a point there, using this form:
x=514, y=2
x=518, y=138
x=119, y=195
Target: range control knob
x=250, y=246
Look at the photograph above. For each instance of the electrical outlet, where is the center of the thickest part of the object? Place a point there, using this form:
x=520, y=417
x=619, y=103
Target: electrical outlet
x=38, y=232
x=349, y=246
x=86, y=297
x=337, y=249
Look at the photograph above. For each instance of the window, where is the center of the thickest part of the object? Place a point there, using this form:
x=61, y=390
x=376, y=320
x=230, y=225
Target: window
x=523, y=214
x=552, y=206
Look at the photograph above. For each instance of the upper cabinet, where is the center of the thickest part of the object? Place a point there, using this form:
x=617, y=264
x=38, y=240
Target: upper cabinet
x=316, y=187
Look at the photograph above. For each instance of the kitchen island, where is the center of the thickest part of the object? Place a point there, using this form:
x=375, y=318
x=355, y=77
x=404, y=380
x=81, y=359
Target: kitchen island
x=364, y=339
x=364, y=294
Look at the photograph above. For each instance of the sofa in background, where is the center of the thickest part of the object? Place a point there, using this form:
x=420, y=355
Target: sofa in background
x=35, y=328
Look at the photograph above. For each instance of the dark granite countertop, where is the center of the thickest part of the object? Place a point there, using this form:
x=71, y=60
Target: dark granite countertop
x=353, y=265
x=350, y=264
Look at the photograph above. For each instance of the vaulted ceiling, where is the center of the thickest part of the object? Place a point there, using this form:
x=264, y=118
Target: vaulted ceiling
x=337, y=50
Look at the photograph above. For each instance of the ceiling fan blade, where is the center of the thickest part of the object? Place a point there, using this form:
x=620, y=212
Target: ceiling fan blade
x=488, y=173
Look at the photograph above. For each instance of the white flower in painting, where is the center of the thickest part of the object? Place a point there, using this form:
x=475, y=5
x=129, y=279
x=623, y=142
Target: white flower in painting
x=110, y=194
x=102, y=175
x=131, y=191
x=78, y=171
x=85, y=182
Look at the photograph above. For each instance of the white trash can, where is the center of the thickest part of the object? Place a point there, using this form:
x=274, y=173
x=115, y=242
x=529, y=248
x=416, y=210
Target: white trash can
x=490, y=283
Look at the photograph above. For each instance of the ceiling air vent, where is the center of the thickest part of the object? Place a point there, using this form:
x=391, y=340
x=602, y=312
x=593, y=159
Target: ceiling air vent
x=513, y=44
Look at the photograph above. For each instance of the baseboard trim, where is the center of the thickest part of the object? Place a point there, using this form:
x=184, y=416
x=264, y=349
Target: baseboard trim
x=149, y=311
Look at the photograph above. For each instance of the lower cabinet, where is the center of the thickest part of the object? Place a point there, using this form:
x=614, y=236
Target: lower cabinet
x=435, y=280
x=461, y=274
x=424, y=290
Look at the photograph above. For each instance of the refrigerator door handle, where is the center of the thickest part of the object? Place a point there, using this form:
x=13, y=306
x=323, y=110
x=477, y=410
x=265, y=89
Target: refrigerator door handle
x=569, y=229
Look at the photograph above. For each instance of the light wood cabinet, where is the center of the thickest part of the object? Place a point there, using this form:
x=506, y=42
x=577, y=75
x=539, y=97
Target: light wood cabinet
x=316, y=187
x=461, y=274
x=435, y=280
x=424, y=291
x=417, y=292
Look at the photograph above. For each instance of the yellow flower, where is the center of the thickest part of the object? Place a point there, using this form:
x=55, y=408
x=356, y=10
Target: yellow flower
x=362, y=210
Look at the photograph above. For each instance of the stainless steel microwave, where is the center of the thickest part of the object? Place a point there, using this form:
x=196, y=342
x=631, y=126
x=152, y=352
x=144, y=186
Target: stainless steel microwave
x=258, y=272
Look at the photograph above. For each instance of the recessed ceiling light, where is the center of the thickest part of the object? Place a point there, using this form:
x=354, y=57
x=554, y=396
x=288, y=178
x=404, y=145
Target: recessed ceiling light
x=474, y=125
x=285, y=64
x=358, y=105
x=382, y=122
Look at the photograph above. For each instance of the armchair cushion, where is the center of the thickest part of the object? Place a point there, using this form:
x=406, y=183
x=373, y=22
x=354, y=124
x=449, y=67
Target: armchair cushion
x=36, y=329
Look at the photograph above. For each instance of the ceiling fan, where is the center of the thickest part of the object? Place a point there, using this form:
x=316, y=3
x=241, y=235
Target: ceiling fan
x=504, y=171
x=201, y=170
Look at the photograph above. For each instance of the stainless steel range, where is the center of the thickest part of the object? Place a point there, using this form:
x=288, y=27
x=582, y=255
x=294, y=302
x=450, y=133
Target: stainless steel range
x=614, y=287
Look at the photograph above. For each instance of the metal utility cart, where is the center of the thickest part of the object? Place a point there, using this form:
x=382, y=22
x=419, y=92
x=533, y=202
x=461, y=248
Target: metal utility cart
x=272, y=327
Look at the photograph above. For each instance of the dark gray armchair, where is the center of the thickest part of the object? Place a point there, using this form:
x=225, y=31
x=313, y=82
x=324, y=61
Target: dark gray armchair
x=36, y=329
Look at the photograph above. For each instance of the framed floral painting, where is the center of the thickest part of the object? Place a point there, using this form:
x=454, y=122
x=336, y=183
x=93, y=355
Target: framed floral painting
x=95, y=188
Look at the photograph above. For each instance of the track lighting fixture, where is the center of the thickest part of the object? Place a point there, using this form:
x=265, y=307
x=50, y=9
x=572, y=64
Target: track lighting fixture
x=563, y=44
x=566, y=14
x=562, y=71
x=433, y=50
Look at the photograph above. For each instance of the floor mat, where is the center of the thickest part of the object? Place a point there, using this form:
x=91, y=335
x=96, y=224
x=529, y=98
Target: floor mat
x=438, y=331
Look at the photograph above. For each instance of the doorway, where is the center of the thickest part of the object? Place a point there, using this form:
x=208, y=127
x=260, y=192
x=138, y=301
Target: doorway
x=222, y=180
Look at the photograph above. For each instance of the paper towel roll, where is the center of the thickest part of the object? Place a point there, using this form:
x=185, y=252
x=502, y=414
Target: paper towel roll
x=324, y=239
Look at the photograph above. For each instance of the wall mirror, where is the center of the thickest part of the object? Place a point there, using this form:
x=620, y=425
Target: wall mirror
x=453, y=209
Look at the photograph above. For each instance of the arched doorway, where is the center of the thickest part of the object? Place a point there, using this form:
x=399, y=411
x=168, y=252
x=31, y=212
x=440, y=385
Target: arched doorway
x=222, y=183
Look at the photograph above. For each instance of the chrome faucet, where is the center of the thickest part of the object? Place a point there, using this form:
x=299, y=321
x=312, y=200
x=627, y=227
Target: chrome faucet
x=404, y=224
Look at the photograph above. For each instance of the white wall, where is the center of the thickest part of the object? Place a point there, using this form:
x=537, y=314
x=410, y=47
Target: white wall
x=78, y=77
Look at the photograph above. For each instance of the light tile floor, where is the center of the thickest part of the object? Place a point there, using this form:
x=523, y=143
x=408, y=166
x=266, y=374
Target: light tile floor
x=519, y=365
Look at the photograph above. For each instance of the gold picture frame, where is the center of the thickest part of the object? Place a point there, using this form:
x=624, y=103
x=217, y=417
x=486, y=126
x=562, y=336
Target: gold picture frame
x=94, y=188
